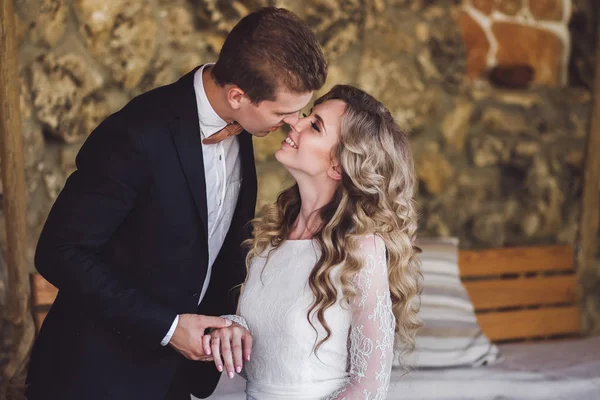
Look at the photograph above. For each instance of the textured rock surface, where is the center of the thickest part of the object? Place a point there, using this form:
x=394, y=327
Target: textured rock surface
x=59, y=85
x=539, y=56
x=496, y=166
x=122, y=35
x=51, y=22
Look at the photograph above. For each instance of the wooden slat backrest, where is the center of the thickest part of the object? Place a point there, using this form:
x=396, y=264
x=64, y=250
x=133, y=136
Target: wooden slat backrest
x=515, y=260
x=38, y=318
x=522, y=292
x=532, y=323
x=43, y=294
x=503, y=304
x=534, y=291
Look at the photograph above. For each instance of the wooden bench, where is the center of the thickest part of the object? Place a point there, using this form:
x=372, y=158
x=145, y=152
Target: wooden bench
x=43, y=294
x=523, y=292
x=518, y=293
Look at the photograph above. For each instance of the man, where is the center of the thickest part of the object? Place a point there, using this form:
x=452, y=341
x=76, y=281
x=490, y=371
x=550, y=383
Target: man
x=144, y=241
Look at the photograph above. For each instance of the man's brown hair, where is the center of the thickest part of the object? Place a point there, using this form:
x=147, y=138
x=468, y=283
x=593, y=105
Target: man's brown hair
x=268, y=48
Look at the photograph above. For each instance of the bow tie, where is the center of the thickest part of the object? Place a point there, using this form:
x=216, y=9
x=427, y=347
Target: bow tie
x=230, y=130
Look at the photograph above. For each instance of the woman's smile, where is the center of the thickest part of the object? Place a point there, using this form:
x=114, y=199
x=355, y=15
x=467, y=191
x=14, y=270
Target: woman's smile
x=290, y=142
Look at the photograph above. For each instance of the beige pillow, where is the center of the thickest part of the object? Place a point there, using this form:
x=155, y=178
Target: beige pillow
x=450, y=335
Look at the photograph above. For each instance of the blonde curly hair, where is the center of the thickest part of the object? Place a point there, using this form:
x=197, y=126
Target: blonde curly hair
x=374, y=196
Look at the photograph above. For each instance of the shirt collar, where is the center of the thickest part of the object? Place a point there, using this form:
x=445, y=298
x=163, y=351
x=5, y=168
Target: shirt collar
x=210, y=122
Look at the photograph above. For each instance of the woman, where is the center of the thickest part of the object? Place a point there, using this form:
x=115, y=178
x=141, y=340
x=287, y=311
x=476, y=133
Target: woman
x=332, y=273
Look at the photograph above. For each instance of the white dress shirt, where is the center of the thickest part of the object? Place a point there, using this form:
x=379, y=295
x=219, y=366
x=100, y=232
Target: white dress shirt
x=223, y=173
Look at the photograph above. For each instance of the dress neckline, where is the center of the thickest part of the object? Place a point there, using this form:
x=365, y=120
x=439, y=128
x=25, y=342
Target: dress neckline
x=299, y=240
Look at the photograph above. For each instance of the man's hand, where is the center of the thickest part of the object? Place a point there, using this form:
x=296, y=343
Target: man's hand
x=187, y=338
x=229, y=346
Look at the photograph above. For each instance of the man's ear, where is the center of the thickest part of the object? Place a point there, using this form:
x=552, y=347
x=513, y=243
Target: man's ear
x=235, y=97
x=335, y=172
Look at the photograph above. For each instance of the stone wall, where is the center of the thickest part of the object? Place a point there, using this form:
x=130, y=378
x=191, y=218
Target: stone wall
x=543, y=46
x=495, y=94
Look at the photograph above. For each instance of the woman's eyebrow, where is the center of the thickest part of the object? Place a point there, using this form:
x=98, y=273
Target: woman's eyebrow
x=318, y=117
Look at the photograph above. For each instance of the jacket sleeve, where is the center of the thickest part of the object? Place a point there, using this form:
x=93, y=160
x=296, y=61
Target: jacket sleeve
x=96, y=199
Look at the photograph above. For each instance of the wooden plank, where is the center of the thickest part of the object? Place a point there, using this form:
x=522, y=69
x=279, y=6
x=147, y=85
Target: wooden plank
x=501, y=293
x=515, y=260
x=43, y=292
x=530, y=323
x=39, y=317
x=590, y=204
x=18, y=324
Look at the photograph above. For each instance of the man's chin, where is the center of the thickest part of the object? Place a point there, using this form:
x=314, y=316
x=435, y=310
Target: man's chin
x=260, y=134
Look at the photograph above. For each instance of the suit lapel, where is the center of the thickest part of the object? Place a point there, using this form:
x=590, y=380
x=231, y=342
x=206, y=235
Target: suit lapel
x=248, y=190
x=185, y=129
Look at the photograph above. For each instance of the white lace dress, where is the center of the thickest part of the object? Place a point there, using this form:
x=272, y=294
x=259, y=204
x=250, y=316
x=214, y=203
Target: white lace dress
x=354, y=363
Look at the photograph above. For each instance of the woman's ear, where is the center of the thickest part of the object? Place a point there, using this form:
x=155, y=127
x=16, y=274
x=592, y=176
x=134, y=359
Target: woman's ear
x=335, y=172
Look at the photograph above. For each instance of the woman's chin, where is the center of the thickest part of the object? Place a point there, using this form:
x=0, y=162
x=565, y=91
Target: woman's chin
x=282, y=158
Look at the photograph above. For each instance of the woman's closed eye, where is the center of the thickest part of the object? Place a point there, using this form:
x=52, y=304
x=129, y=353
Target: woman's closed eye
x=313, y=124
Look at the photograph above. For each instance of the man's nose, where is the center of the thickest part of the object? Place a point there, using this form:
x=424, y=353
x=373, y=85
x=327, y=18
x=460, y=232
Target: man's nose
x=291, y=120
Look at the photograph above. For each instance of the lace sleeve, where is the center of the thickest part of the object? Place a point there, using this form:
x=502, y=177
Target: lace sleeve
x=238, y=320
x=371, y=339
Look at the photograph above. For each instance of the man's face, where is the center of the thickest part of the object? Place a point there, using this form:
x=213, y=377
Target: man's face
x=268, y=116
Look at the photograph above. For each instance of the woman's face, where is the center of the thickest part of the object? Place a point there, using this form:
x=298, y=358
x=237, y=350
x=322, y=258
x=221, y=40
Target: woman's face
x=307, y=149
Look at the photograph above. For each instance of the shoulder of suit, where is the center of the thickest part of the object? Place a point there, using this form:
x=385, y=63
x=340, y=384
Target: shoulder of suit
x=146, y=111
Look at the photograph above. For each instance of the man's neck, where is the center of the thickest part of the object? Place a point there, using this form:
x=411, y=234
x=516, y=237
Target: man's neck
x=216, y=95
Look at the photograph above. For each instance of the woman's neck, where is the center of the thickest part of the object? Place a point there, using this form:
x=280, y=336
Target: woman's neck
x=313, y=197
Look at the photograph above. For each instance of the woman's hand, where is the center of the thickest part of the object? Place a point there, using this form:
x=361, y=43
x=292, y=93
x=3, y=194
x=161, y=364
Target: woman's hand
x=228, y=347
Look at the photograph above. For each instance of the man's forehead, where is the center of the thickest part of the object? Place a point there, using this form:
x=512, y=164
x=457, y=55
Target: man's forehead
x=291, y=101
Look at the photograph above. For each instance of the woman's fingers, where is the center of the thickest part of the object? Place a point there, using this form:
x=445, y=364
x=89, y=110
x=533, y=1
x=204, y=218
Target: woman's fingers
x=236, y=349
x=247, y=345
x=229, y=348
x=215, y=345
x=227, y=355
x=206, y=345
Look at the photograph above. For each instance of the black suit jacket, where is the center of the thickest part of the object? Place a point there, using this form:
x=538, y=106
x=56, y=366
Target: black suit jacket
x=126, y=245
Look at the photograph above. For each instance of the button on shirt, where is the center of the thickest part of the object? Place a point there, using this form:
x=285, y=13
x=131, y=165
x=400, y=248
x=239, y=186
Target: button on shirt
x=223, y=174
